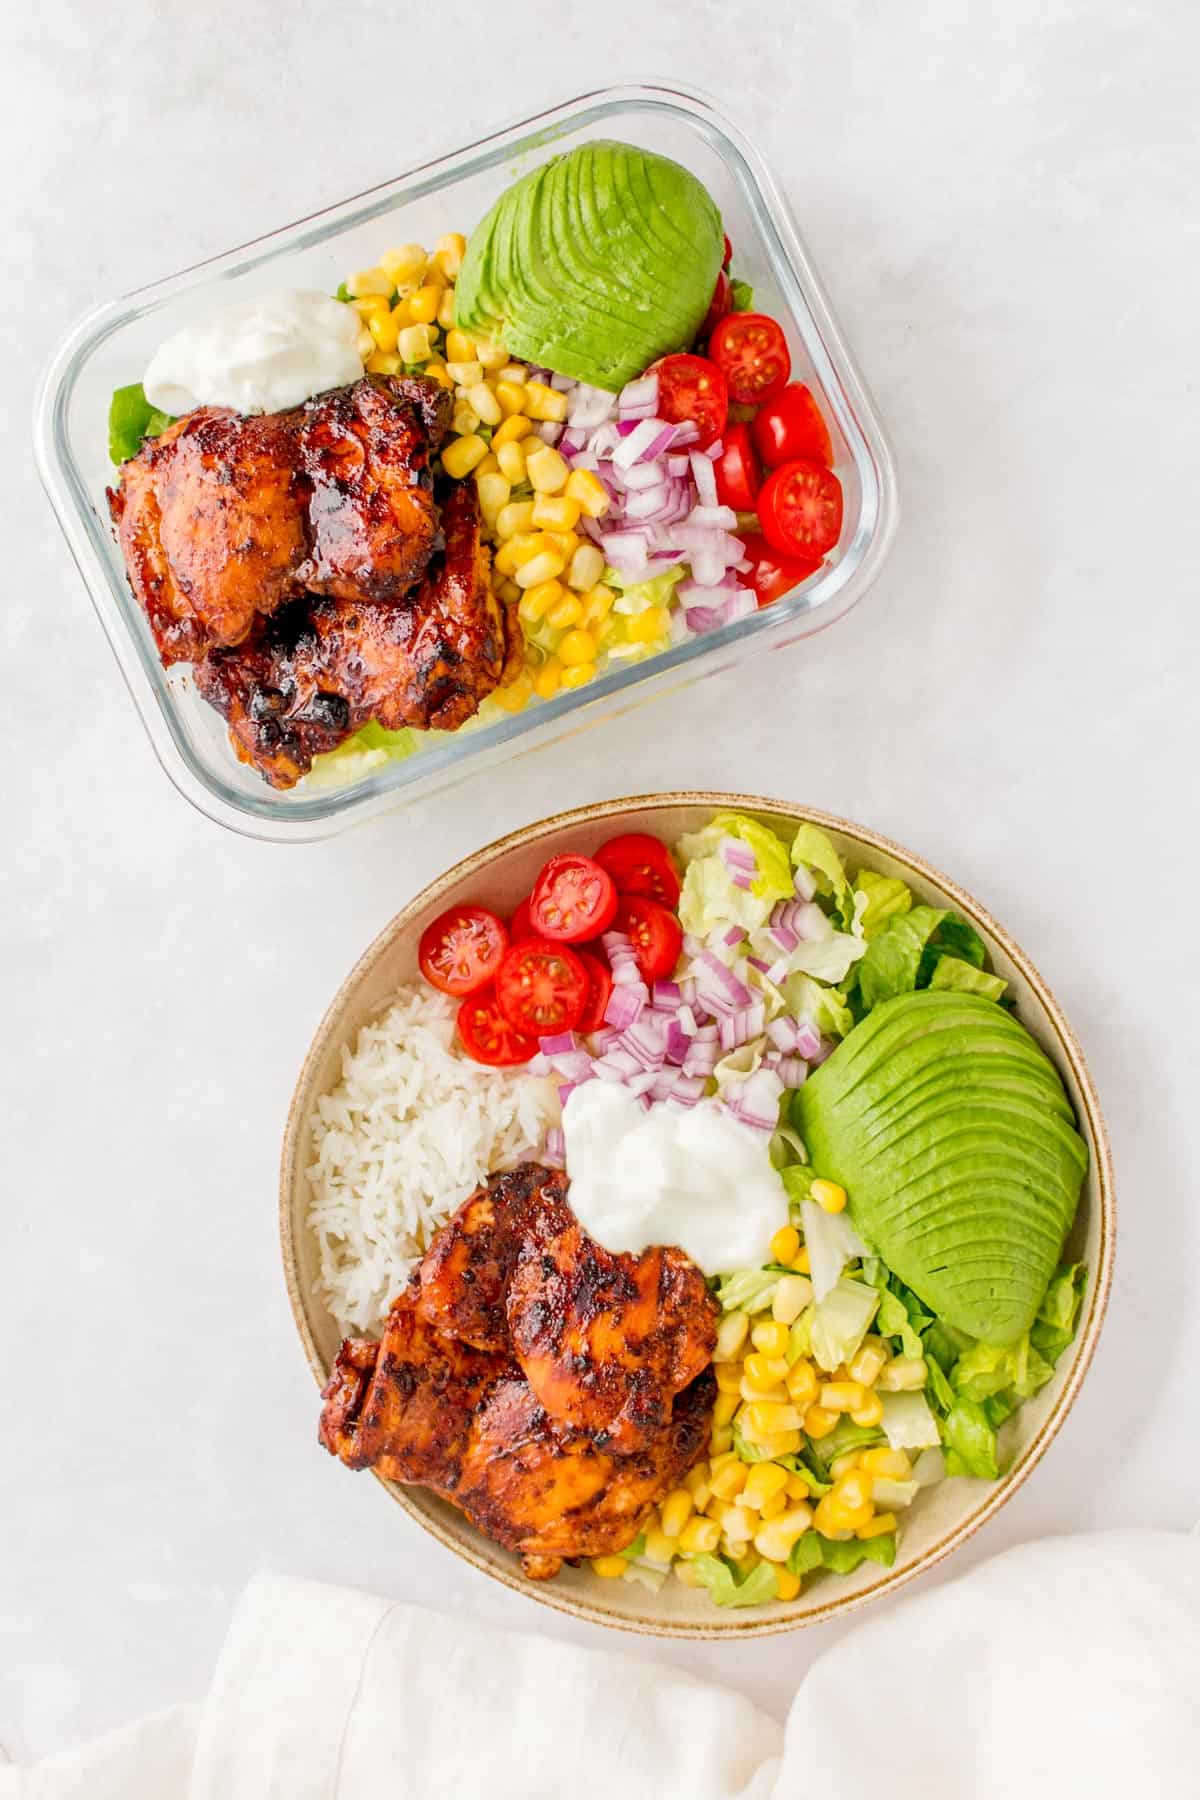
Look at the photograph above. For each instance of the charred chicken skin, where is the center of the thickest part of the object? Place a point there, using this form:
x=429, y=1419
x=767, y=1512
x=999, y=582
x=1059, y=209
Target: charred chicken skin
x=557, y=1445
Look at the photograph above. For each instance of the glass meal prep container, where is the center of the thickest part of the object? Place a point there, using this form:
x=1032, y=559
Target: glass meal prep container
x=112, y=347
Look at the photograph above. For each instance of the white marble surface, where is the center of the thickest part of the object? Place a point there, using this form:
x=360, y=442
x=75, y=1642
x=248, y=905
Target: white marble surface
x=1004, y=213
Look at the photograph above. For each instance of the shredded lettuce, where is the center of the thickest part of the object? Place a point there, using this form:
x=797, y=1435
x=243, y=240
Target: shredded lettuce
x=884, y=895
x=640, y=596
x=711, y=900
x=813, y=849
x=846, y=1436
x=953, y=972
x=370, y=748
x=812, y=1551
x=905, y=955
x=747, y=1290
x=969, y=1437
x=908, y=1422
x=132, y=419
x=828, y=959
x=832, y=1242
x=725, y=1589
x=842, y=1318
x=824, y=1008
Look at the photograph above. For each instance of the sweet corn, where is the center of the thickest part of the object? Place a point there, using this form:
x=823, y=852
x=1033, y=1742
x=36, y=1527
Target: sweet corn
x=646, y=627
x=722, y=1435
x=588, y=489
x=724, y=1408
x=507, y=590
x=745, y=1559
x=611, y=1567
x=696, y=1484
x=753, y=1391
x=548, y=679
x=459, y=347
x=547, y=471
x=517, y=373
x=785, y=1245
x=738, y=1524
x=787, y=1585
x=869, y=1362
x=578, y=677
x=489, y=466
x=769, y=1337
x=585, y=569
x=775, y=1538
x=565, y=542
x=511, y=399
x=554, y=512
x=685, y=1573
x=893, y=1465
x=447, y=310
x=493, y=490
x=423, y=305
x=871, y=1410
x=504, y=561
x=370, y=281
x=903, y=1375
x=515, y=519
x=879, y=1526
x=464, y=374
x=383, y=362
x=842, y=1465
x=405, y=264
x=485, y=403
x=699, y=1537
x=767, y=1418
x=597, y=606
x=463, y=455
x=802, y=1261
x=842, y=1396
x=829, y=1196
x=512, y=430
x=785, y=1443
x=536, y=602
x=464, y=420
x=368, y=305
x=578, y=647
x=818, y=1423
x=731, y=1336
x=797, y=1488
x=567, y=612
x=448, y=253
x=545, y=567
x=511, y=458
x=851, y=1493
x=729, y=1377
x=492, y=356
x=414, y=345
x=515, y=697
x=763, y=1482
x=384, y=327
x=792, y=1295
x=801, y=1383
x=365, y=343
x=776, y=1504
x=728, y=1480
x=436, y=371
x=765, y=1371
x=545, y=403
x=659, y=1547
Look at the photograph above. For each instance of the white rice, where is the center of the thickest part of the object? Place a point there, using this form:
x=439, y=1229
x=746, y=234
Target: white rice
x=411, y=1129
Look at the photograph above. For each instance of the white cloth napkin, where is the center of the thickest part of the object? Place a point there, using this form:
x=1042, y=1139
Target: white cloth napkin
x=1066, y=1668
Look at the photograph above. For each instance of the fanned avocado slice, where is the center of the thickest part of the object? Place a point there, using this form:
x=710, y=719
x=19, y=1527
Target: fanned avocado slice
x=952, y=1133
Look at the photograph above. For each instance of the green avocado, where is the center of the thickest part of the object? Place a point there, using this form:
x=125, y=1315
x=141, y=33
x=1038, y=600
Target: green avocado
x=953, y=1136
x=594, y=264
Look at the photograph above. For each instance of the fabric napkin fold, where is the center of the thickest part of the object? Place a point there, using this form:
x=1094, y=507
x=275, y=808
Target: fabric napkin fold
x=1063, y=1668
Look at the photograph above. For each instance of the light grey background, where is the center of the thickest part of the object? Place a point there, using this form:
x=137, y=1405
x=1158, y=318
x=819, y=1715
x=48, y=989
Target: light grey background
x=1002, y=204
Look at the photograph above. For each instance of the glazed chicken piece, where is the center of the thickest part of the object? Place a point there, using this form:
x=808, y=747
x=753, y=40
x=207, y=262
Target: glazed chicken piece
x=225, y=517
x=420, y=1407
x=605, y=1341
x=323, y=667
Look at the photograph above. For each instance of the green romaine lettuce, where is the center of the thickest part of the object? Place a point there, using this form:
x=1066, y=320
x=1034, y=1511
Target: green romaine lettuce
x=906, y=953
x=747, y=1290
x=885, y=897
x=132, y=419
x=824, y=1008
x=741, y=296
x=828, y=959
x=370, y=748
x=813, y=848
x=842, y=1319
x=953, y=972
x=724, y=1587
x=969, y=1438
x=812, y=1551
x=908, y=1422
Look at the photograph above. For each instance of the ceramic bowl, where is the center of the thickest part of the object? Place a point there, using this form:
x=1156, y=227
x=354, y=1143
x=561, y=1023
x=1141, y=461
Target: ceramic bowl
x=944, y=1517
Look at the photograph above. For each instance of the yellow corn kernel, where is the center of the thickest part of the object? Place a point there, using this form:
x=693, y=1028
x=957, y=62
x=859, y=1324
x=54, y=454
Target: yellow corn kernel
x=423, y=305
x=494, y=490
x=587, y=564
x=548, y=679
x=492, y=356
x=871, y=1410
x=405, y=264
x=414, y=345
x=769, y=1417
x=729, y=1377
x=784, y=1443
x=489, y=466
x=368, y=305
x=485, y=403
x=738, y=1524
x=893, y=1465
x=797, y=1488
x=517, y=373
x=725, y=1407
x=818, y=1423
x=384, y=327
x=536, y=602
x=785, y=1244
x=597, y=605
x=731, y=1336
x=646, y=627
x=694, y=1482
x=449, y=251
x=829, y=1196
x=729, y=1479
x=436, y=371
x=547, y=471
x=447, y=310
x=765, y=1371
x=770, y=1338
x=903, y=1375
x=370, y=281
x=546, y=567
x=545, y=403
x=842, y=1396
x=787, y=1585
x=677, y=1509
x=459, y=348
x=504, y=561
x=699, y=1537
x=464, y=419
x=792, y=1295
x=528, y=544
x=763, y=1482
x=567, y=612
x=515, y=519
x=659, y=1547
x=753, y=1392
x=774, y=1538
x=516, y=696
x=511, y=458
x=365, y=343
x=802, y=1261
x=507, y=590
x=842, y=1465
x=577, y=648
x=463, y=455
x=722, y=1435
x=610, y=1567
x=879, y=1526
x=464, y=374
x=744, y=1557
x=512, y=430
x=511, y=400
x=554, y=512
x=588, y=489
x=685, y=1573
x=776, y=1504
x=801, y=1383
x=383, y=362
x=852, y=1492
x=565, y=542
x=869, y=1362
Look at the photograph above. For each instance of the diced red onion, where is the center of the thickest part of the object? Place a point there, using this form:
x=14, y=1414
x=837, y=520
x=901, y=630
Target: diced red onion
x=824, y=1050
x=618, y=1061
x=792, y=1071
x=547, y=431
x=778, y=972
x=808, y=1042
x=784, y=938
x=642, y=1084
x=642, y=392
x=666, y=996
x=678, y=1042
x=783, y=1034
x=756, y=962
x=705, y=477
x=687, y=433
x=648, y=439
x=737, y=855
x=604, y=1039
x=736, y=933
x=563, y=1040
x=804, y=882
x=562, y=384
x=554, y=1149
x=624, y=1007
x=688, y=1089
x=755, y=1101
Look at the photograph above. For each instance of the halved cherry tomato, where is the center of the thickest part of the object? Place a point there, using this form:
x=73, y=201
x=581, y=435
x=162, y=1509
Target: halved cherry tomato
x=487, y=1035
x=718, y=306
x=573, y=899
x=541, y=988
x=752, y=353
x=800, y=509
x=737, y=471
x=461, y=950
x=728, y=253
x=521, y=926
x=691, y=387
x=600, y=986
x=655, y=933
x=774, y=574
x=640, y=864
x=791, y=425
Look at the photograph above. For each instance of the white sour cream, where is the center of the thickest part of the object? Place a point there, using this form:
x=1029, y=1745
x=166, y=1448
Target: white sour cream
x=692, y=1176
x=259, y=355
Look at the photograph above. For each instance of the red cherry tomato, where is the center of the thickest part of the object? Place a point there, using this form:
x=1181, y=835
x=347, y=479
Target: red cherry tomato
x=800, y=509
x=791, y=426
x=718, y=306
x=752, y=353
x=737, y=471
x=461, y=950
x=573, y=899
x=600, y=986
x=774, y=575
x=520, y=926
x=641, y=864
x=655, y=933
x=487, y=1035
x=728, y=253
x=541, y=988
x=691, y=387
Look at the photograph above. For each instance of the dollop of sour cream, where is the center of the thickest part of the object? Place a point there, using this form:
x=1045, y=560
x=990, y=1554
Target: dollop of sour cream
x=692, y=1176
x=259, y=355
